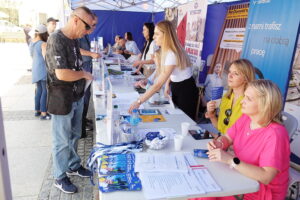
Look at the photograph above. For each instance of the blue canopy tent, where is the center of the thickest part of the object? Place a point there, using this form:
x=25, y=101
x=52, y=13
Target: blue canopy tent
x=120, y=16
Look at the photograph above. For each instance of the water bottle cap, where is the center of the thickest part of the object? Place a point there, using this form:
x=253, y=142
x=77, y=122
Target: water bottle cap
x=135, y=110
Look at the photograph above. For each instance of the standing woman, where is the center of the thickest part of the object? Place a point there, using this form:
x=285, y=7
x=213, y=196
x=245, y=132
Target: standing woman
x=39, y=72
x=176, y=72
x=241, y=72
x=146, y=64
x=131, y=47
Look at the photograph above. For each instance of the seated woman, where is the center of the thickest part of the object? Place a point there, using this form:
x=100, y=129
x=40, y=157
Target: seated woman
x=241, y=72
x=116, y=46
x=146, y=63
x=122, y=48
x=131, y=47
x=260, y=142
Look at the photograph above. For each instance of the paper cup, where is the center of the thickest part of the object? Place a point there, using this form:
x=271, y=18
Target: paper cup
x=185, y=128
x=178, y=141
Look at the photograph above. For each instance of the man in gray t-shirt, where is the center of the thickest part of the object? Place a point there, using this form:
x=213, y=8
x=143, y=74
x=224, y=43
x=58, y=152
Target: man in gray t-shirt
x=65, y=84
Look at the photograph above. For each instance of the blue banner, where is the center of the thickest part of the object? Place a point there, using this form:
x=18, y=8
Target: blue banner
x=271, y=35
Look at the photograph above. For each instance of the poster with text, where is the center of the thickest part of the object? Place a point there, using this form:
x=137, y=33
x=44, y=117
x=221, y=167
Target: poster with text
x=190, y=28
x=171, y=15
x=270, y=39
x=230, y=42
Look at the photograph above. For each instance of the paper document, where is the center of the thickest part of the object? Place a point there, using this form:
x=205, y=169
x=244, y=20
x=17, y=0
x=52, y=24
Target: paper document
x=206, y=180
x=168, y=184
x=124, y=100
x=174, y=111
x=160, y=162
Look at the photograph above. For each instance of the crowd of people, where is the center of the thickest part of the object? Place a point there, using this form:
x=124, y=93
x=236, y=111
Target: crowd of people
x=252, y=138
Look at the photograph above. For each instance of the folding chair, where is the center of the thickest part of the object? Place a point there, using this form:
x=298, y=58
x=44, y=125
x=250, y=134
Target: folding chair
x=294, y=181
x=291, y=124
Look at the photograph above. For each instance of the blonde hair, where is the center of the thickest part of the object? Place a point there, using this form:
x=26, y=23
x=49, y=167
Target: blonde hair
x=246, y=68
x=171, y=42
x=157, y=59
x=269, y=101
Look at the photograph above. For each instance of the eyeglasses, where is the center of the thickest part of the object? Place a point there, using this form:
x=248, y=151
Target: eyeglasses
x=228, y=113
x=87, y=26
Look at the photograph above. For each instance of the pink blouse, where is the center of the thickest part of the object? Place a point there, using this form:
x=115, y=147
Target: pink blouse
x=264, y=147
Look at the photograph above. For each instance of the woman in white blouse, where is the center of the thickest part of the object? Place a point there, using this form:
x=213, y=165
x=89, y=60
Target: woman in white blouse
x=146, y=62
x=131, y=47
x=175, y=73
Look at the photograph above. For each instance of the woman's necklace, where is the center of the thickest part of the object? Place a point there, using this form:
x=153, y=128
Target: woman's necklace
x=253, y=126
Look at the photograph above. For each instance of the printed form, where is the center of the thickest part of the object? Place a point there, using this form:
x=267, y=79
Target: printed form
x=171, y=182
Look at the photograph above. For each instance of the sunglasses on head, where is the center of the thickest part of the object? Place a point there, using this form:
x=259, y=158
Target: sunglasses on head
x=228, y=113
x=87, y=26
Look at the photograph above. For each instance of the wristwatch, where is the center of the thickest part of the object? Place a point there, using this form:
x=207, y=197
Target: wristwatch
x=235, y=162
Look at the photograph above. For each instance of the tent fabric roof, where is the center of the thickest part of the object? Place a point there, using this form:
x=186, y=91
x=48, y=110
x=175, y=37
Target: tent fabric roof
x=132, y=5
x=128, y=5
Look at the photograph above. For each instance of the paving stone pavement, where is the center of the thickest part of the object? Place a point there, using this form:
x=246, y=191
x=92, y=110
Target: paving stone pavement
x=86, y=191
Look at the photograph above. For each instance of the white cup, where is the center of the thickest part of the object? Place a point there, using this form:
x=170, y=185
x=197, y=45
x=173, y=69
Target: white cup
x=185, y=128
x=178, y=140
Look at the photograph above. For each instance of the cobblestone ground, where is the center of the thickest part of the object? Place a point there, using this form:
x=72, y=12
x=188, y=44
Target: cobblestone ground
x=86, y=191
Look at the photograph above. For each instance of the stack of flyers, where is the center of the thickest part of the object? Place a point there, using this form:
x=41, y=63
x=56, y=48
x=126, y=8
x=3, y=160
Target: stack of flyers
x=117, y=173
x=127, y=181
x=116, y=164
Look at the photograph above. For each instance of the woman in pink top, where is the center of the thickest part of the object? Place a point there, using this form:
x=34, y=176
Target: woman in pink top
x=260, y=143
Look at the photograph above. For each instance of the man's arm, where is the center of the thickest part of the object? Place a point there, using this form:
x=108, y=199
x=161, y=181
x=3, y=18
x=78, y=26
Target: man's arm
x=89, y=53
x=70, y=75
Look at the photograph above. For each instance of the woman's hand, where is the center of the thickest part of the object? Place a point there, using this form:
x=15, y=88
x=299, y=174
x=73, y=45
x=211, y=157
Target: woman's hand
x=137, y=71
x=141, y=83
x=167, y=90
x=128, y=52
x=220, y=155
x=220, y=142
x=134, y=105
x=136, y=63
x=211, y=145
x=211, y=107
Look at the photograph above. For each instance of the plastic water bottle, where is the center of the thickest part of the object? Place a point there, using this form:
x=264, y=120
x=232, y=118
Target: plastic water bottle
x=116, y=122
x=116, y=115
x=134, y=121
x=126, y=134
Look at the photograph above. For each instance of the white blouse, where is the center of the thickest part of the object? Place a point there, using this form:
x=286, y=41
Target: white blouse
x=132, y=47
x=177, y=75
